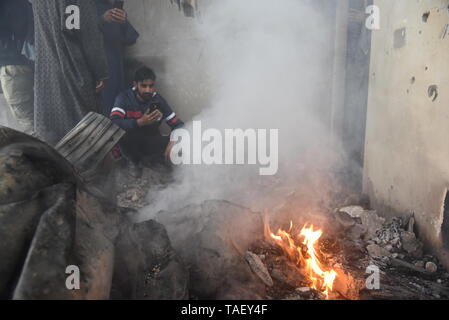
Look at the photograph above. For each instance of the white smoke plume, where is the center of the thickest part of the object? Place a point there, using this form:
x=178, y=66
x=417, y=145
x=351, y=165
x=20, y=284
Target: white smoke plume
x=269, y=65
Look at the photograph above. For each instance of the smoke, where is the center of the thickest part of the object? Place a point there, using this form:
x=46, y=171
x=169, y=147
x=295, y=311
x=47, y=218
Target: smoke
x=269, y=65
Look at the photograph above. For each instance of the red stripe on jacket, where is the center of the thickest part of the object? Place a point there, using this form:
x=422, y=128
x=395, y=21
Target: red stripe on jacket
x=134, y=114
x=117, y=113
x=174, y=120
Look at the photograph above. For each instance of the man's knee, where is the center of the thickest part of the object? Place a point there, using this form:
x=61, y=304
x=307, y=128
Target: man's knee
x=17, y=85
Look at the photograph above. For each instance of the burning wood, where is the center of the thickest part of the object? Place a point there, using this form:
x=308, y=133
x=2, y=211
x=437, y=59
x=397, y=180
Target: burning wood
x=288, y=273
x=305, y=254
x=258, y=268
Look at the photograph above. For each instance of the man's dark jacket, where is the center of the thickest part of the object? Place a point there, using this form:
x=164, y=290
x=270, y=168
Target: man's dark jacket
x=14, y=25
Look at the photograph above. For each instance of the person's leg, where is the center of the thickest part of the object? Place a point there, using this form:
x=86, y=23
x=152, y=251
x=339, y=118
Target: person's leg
x=17, y=85
x=132, y=152
x=155, y=149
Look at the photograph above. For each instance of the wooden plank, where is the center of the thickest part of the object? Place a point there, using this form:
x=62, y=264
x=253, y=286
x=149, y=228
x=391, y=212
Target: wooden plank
x=86, y=145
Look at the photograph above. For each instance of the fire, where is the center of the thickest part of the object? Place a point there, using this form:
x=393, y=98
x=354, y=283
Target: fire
x=305, y=255
x=319, y=277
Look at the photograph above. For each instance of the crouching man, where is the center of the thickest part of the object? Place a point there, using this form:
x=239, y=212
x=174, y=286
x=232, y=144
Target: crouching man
x=140, y=112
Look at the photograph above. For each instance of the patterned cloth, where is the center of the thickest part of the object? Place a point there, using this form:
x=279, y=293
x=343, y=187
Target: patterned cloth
x=68, y=64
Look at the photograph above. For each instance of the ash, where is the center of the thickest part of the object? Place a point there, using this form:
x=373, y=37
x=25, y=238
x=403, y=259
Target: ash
x=136, y=193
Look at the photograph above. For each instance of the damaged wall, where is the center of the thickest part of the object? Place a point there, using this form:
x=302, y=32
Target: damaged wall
x=406, y=158
x=170, y=45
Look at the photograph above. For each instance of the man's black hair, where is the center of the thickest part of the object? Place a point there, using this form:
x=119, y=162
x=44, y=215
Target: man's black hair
x=144, y=73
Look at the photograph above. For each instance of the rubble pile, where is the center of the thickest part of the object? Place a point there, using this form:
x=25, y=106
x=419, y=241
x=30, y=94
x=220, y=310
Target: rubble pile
x=363, y=240
x=357, y=240
x=136, y=193
x=394, y=239
x=393, y=246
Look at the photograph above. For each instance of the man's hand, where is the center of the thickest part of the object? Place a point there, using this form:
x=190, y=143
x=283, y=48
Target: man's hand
x=115, y=15
x=149, y=118
x=168, y=151
x=99, y=86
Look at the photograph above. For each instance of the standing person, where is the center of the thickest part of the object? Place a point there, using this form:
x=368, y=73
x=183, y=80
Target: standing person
x=117, y=33
x=70, y=66
x=16, y=71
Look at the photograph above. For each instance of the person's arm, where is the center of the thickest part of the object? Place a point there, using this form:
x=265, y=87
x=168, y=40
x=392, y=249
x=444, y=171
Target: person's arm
x=169, y=116
x=130, y=34
x=115, y=15
x=172, y=120
x=118, y=115
x=127, y=35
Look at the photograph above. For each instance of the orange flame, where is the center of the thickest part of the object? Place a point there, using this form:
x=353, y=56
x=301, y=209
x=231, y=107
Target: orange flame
x=321, y=280
x=319, y=277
